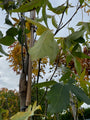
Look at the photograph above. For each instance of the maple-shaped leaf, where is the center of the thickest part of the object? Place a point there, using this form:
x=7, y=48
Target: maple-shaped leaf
x=46, y=46
x=59, y=96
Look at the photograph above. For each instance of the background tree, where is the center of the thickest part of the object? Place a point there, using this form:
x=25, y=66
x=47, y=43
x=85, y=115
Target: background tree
x=9, y=103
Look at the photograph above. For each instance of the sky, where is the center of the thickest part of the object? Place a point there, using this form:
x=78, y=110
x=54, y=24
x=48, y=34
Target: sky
x=8, y=77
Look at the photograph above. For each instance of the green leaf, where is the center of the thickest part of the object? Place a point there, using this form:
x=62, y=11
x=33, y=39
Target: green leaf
x=82, y=81
x=68, y=58
x=66, y=76
x=45, y=84
x=37, y=10
x=80, y=94
x=1, y=56
x=29, y=6
x=74, y=36
x=71, y=29
x=77, y=66
x=2, y=51
x=81, y=55
x=7, y=40
x=45, y=46
x=81, y=2
x=44, y=14
x=86, y=25
x=76, y=48
x=1, y=35
x=7, y=21
x=80, y=40
x=82, y=75
x=58, y=98
x=12, y=32
x=57, y=10
x=40, y=28
x=54, y=22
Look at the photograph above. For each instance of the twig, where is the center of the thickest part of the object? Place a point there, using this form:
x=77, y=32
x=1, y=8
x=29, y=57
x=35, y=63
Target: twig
x=50, y=79
x=38, y=79
x=43, y=96
x=61, y=19
x=68, y=20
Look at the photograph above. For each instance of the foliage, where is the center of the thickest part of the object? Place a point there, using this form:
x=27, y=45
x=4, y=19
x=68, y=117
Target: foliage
x=59, y=96
x=9, y=103
x=61, y=51
x=1, y=48
x=68, y=116
x=15, y=57
x=25, y=115
x=87, y=113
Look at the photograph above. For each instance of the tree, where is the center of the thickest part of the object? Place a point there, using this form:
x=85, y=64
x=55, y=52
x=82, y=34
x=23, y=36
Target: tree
x=63, y=52
x=9, y=103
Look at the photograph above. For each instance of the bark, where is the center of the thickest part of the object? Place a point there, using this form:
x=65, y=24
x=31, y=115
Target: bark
x=28, y=97
x=22, y=91
x=23, y=82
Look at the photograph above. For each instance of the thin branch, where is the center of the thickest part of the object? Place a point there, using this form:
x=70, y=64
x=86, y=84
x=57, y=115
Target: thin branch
x=38, y=79
x=38, y=71
x=43, y=96
x=61, y=19
x=68, y=20
x=50, y=79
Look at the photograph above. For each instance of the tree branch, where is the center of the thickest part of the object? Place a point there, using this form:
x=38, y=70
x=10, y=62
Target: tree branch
x=61, y=19
x=67, y=21
x=38, y=79
x=50, y=79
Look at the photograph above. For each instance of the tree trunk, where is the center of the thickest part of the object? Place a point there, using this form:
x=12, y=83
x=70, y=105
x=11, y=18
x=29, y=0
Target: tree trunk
x=28, y=97
x=22, y=91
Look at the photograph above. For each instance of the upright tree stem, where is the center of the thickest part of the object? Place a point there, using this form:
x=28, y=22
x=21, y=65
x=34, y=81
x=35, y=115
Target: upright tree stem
x=28, y=98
